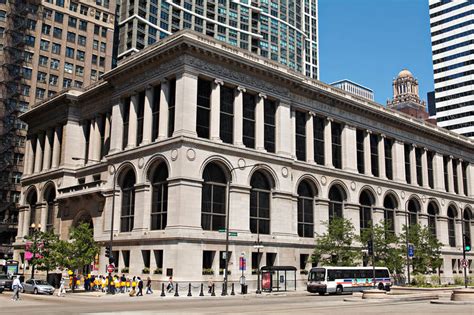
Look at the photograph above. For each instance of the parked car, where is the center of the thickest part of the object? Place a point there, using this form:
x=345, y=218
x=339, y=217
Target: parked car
x=1, y=288
x=6, y=282
x=37, y=287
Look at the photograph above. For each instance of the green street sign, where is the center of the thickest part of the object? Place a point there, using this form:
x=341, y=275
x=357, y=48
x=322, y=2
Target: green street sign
x=222, y=231
x=233, y=234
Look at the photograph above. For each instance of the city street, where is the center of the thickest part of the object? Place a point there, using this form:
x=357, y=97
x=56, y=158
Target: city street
x=290, y=303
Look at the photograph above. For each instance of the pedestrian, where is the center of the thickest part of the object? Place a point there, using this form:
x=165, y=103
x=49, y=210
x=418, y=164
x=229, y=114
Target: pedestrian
x=170, y=286
x=74, y=282
x=62, y=288
x=140, y=287
x=123, y=279
x=132, y=293
x=210, y=283
x=148, y=286
x=16, y=286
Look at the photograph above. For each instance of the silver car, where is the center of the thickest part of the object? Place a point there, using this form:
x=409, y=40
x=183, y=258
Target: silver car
x=38, y=287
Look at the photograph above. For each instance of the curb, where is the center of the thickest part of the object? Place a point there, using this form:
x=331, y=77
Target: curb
x=447, y=302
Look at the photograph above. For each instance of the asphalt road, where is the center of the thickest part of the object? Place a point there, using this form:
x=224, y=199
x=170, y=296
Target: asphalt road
x=292, y=303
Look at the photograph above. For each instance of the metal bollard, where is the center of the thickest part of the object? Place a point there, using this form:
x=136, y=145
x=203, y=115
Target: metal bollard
x=189, y=290
x=224, y=289
x=162, y=290
x=202, y=291
x=213, y=293
x=176, y=291
x=232, y=292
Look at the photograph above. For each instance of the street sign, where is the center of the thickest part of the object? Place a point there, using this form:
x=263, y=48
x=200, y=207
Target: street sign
x=464, y=263
x=233, y=234
x=110, y=268
x=242, y=263
x=411, y=250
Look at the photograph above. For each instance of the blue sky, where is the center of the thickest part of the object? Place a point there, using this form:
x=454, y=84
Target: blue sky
x=370, y=41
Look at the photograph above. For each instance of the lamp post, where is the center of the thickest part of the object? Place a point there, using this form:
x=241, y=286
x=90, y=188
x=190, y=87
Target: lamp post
x=464, y=235
x=34, y=246
x=406, y=249
x=111, y=240
x=226, y=270
x=258, y=246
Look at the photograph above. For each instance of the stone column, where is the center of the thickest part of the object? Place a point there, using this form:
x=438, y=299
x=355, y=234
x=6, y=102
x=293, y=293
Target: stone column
x=398, y=160
x=450, y=174
x=460, y=181
x=413, y=165
x=321, y=214
x=310, y=137
x=164, y=104
x=92, y=140
x=352, y=212
x=238, y=116
x=470, y=180
x=293, y=133
x=132, y=122
x=216, y=110
x=106, y=144
x=26, y=221
x=72, y=142
x=107, y=216
x=47, y=149
x=116, y=130
x=328, y=143
x=442, y=230
x=143, y=204
x=259, y=123
x=424, y=167
x=57, y=146
x=97, y=137
x=43, y=210
x=186, y=105
x=349, y=148
x=148, y=116
x=39, y=152
x=30, y=155
x=381, y=151
x=367, y=156
x=438, y=175
x=282, y=136
x=21, y=219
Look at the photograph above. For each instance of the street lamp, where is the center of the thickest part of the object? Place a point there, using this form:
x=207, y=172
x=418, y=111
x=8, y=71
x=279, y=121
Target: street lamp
x=111, y=258
x=226, y=270
x=407, y=244
x=34, y=246
x=258, y=246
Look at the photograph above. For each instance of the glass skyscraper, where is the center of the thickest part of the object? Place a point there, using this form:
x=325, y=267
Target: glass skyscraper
x=285, y=31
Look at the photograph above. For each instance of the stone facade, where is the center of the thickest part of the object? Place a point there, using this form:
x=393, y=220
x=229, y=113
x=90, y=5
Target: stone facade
x=160, y=123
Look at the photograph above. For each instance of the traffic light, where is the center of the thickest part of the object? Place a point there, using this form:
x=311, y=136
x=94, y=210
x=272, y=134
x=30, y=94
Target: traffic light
x=107, y=252
x=467, y=243
x=370, y=247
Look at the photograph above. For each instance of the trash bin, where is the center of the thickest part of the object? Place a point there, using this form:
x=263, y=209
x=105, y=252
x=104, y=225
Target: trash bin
x=243, y=288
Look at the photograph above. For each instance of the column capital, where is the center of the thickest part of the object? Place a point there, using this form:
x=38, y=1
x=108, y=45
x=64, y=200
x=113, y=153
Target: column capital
x=262, y=95
x=414, y=146
x=369, y=132
x=451, y=157
x=218, y=82
x=164, y=81
x=241, y=89
x=399, y=142
x=330, y=119
x=311, y=113
x=425, y=149
x=383, y=136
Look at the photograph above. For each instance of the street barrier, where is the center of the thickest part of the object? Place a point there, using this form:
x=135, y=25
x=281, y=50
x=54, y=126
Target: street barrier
x=213, y=293
x=189, y=290
x=232, y=292
x=162, y=290
x=202, y=291
x=176, y=292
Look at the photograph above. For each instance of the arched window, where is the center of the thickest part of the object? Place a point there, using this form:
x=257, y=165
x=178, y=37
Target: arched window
x=128, y=201
x=49, y=198
x=432, y=217
x=366, y=201
x=213, y=198
x=389, y=204
x=413, y=210
x=467, y=221
x=305, y=209
x=452, y=226
x=32, y=199
x=336, y=202
x=159, y=197
x=260, y=203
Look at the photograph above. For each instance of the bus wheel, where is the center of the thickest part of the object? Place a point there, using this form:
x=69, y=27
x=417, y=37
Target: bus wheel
x=380, y=286
x=339, y=289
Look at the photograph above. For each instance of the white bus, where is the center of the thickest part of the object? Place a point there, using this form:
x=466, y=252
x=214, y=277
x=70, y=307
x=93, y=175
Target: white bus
x=347, y=279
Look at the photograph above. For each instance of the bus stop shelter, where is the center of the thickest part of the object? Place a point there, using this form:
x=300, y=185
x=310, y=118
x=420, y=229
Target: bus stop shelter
x=278, y=278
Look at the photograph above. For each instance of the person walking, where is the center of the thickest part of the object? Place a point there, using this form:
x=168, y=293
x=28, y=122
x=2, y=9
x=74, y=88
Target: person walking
x=62, y=288
x=170, y=286
x=148, y=286
x=140, y=286
x=16, y=286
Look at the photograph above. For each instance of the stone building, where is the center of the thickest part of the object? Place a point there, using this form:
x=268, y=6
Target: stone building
x=183, y=121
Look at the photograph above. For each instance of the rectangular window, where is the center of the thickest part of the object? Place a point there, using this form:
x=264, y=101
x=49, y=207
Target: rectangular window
x=374, y=154
x=83, y=25
x=465, y=165
x=45, y=29
x=419, y=170
x=158, y=261
x=41, y=77
x=226, y=130
x=43, y=61
x=207, y=261
x=388, y=144
x=80, y=55
x=71, y=37
x=126, y=258
x=81, y=40
x=58, y=17
x=300, y=135
x=445, y=171
x=54, y=64
x=249, y=120
x=140, y=115
x=269, y=125
x=336, y=131
x=146, y=255
x=256, y=261
x=44, y=45
x=72, y=21
x=222, y=261
x=57, y=32
x=69, y=52
x=171, y=106
x=455, y=175
x=203, y=108
x=407, y=163
x=360, y=134
x=56, y=49
x=430, y=156
x=318, y=124
x=126, y=117
x=303, y=261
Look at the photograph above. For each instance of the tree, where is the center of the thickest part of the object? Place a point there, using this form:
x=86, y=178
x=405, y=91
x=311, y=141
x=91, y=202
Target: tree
x=387, y=252
x=42, y=246
x=334, y=248
x=427, y=256
x=81, y=248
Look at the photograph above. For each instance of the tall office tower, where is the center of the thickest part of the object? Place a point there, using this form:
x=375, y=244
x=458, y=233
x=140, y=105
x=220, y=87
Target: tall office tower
x=45, y=46
x=452, y=29
x=283, y=31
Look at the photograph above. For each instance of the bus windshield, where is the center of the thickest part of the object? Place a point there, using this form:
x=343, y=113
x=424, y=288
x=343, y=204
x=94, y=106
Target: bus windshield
x=318, y=275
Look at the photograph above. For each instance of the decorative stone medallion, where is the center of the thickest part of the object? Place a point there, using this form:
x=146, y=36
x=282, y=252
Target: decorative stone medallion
x=59, y=182
x=442, y=202
x=423, y=198
x=379, y=190
x=324, y=180
x=284, y=172
x=353, y=185
x=174, y=155
x=402, y=194
x=141, y=162
x=241, y=163
x=191, y=154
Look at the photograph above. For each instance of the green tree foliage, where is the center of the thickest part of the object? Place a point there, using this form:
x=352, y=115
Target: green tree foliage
x=427, y=256
x=387, y=251
x=334, y=248
x=81, y=248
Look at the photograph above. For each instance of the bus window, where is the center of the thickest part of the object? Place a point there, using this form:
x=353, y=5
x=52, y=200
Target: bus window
x=381, y=273
x=318, y=275
x=347, y=274
x=331, y=275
